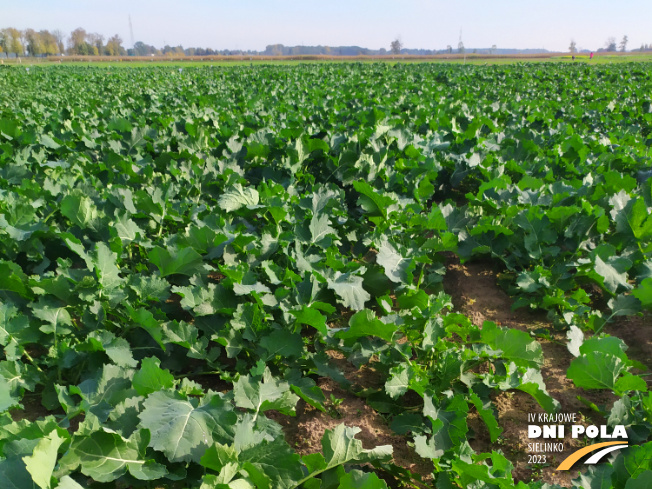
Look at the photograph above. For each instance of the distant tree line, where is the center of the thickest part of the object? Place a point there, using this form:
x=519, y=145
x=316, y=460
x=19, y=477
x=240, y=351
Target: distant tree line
x=395, y=48
x=611, y=46
x=28, y=42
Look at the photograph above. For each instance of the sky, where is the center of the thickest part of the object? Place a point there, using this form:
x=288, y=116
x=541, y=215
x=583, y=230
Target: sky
x=426, y=24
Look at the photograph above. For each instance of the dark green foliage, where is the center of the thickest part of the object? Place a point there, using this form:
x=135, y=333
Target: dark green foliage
x=180, y=249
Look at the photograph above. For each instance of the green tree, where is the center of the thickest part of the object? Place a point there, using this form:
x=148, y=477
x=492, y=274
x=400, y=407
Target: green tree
x=114, y=46
x=34, y=42
x=623, y=43
x=50, y=44
x=97, y=42
x=573, y=47
x=11, y=41
x=59, y=36
x=396, y=46
x=611, y=44
x=77, y=43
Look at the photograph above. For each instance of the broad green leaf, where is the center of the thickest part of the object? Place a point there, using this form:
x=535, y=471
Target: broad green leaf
x=203, y=239
x=605, y=344
x=57, y=319
x=260, y=395
x=529, y=380
x=339, y=446
x=372, y=201
x=6, y=399
x=15, y=331
x=399, y=382
x=106, y=268
x=150, y=288
x=632, y=463
x=186, y=335
x=104, y=390
x=471, y=473
x=356, y=479
x=575, y=339
x=79, y=209
x=283, y=343
x=49, y=142
x=117, y=349
x=486, y=412
x=639, y=219
x=642, y=481
x=407, y=422
x=311, y=317
x=595, y=370
x=237, y=197
x=151, y=378
x=448, y=425
x=307, y=389
x=516, y=345
x=182, y=428
x=67, y=482
x=349, y=289
x=321, y=231
x=42, y=461
x=146, y=320
x=14, y=475
x=207, y=300
x=10, y=128
x=106, y=456
x=594, y=477
x=78, y=247
x=265, y=455
x=124, y=416
x=644, y=293
x=630, y=382
x=612, y=274
x=185, y=261
x=412, y=298
x=19, y=375
x=397, y=268
x=220, y=456
x=365, y=323
x=624, y=305
x=126, y=229
x=13, y=279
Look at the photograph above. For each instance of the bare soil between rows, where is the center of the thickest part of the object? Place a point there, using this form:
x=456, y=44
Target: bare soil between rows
x=476, y=293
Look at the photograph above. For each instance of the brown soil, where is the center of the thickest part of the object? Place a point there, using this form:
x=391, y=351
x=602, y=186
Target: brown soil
x=637, y=333
x=304, y=432
x=476, y=293
x=33, y=409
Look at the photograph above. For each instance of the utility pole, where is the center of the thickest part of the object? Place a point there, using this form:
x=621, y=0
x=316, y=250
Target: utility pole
x=131, y=33
x=460, y=45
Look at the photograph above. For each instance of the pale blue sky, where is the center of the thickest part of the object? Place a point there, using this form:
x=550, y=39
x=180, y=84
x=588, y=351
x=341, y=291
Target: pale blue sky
x=428, y=24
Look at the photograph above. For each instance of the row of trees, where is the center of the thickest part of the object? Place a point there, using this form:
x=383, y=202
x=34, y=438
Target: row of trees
x=609, y=46
x=142, y=49
x=42, y=43
x=82, y=42
x=29, y=42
